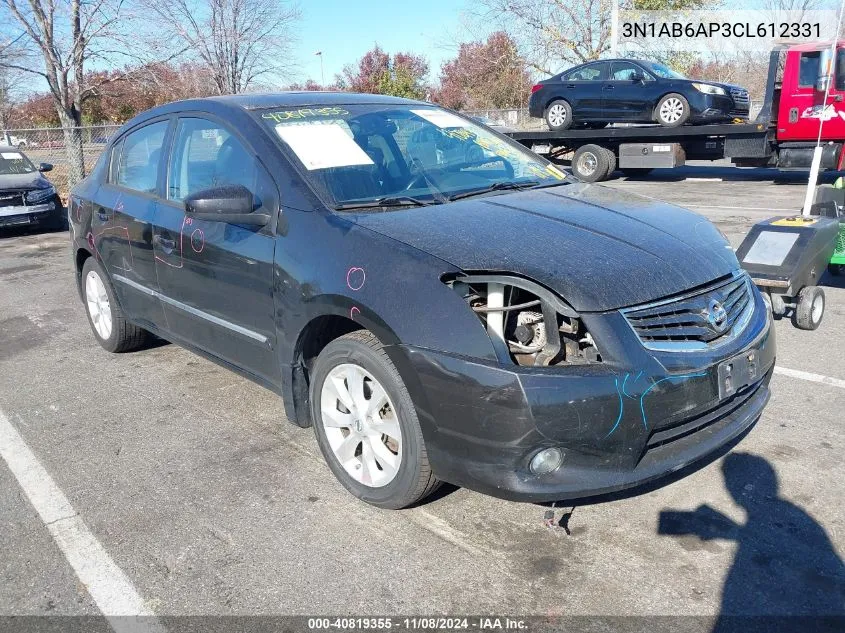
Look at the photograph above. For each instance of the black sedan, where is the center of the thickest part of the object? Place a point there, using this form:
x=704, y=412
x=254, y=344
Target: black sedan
x=437, y=302
x=27, y=198
x=632, y=91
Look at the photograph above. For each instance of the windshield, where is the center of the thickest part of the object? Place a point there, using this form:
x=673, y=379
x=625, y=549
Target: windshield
x=662, y=71
x=13, y=162
x=403, y=155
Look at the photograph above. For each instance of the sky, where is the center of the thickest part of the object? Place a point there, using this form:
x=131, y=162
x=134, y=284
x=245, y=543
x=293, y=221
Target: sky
x=346, y=29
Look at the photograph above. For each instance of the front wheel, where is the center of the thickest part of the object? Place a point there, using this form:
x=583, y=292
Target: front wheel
x=672, y=110
x=366, y=424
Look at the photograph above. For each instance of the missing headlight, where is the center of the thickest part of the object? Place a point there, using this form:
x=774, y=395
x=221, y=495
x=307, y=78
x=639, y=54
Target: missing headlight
x=526, y=322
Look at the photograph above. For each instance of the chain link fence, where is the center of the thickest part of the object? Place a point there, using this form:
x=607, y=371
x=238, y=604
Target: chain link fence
x=515, y=118
x=51, y=145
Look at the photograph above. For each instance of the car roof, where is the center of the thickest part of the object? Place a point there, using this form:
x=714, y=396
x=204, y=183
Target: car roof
x=259, y=101
x=9, y=148
x=307, y=97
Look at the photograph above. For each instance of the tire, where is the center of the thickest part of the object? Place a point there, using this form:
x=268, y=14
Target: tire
x=636, y=172
x=558, y=115
x=591, y=163
x=672, y=110
x=810, y=311
x=393, y=483
x=611, y=162
x=121, y=335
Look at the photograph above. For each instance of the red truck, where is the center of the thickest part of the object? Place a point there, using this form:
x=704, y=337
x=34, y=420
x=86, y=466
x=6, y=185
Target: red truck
x=783, y=135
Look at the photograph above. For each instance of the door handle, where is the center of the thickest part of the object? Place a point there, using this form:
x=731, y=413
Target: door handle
x=608, y=87
x=570, y=85
x=166, y=244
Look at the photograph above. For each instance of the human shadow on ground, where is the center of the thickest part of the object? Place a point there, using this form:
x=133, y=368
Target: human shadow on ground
x=786, y=575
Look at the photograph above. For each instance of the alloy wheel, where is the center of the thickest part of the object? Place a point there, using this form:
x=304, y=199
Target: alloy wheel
x=361, y=425
x=99, y=307
x=671, y=110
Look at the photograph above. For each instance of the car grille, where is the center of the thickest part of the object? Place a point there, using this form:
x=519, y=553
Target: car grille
x=12, y=198
x=701, y=319
x=742, y=102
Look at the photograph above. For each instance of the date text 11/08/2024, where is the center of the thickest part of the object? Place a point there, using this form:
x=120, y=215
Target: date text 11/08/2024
x=435, y=623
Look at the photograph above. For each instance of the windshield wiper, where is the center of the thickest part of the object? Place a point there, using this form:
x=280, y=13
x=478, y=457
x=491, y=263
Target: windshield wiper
x=385, y=201
x=496, y=186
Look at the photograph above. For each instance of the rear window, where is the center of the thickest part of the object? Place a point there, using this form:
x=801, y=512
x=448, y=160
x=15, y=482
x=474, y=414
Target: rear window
x=590, y=72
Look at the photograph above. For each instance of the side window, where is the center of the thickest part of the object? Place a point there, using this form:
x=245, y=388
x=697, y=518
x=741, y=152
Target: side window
x=590, y=72
x=137, y=164
x=808, y=68
x=114, y=160
x=840, y=68
x=206, y=155
x=624, y=71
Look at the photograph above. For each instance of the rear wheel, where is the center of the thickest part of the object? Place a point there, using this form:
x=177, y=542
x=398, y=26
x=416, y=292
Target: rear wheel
x=592, y=163
x=111, y=329
x=366, y=424
x=810, y=310
x=558, y=115
x=672, y=110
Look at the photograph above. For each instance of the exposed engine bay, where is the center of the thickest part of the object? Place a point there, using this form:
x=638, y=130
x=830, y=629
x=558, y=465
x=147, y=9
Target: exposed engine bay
x=526, y=321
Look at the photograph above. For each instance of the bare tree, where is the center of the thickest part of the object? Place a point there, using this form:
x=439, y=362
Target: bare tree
x=238, y=41
x=55, y=40
x=553, y=31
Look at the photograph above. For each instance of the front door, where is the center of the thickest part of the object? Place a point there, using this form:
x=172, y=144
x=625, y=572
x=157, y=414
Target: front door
x=122, y=221
x=216, y=278
x=802, y=103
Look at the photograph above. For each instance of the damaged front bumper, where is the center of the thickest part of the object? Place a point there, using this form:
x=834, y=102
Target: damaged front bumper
x=619, y=423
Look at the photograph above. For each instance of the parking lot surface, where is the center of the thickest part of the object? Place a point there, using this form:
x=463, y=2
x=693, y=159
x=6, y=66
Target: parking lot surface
x=209, y=502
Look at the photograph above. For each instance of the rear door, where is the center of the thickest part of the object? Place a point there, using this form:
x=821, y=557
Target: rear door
x=624, y=97
x=124, y=209
x=216, y=278
x=582, y=88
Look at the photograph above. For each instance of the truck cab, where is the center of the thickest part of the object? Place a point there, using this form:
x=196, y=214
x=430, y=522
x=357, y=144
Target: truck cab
x=802, y=101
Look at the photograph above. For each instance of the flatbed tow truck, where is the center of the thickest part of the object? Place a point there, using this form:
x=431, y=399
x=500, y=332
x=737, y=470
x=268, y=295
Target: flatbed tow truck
x=783, y=135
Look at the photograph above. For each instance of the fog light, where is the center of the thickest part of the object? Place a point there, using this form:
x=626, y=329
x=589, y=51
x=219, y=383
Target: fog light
x=546, y=461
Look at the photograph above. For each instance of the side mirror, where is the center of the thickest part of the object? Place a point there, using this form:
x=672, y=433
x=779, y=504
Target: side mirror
x=822, y=83
x=45, y=167
x=233, y=204
x=637, y=77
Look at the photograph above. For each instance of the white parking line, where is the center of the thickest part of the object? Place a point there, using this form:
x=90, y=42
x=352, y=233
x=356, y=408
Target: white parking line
x=805, y=375
x=109, y=587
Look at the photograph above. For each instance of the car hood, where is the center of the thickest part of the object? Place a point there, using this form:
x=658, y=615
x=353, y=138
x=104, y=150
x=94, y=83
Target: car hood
x=598, y=248
x=32, y=180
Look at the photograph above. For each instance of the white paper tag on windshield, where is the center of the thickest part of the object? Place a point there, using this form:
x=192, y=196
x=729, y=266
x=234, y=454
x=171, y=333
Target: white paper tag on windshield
x=441, y=118
x=320, y=146
x=11, y=155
